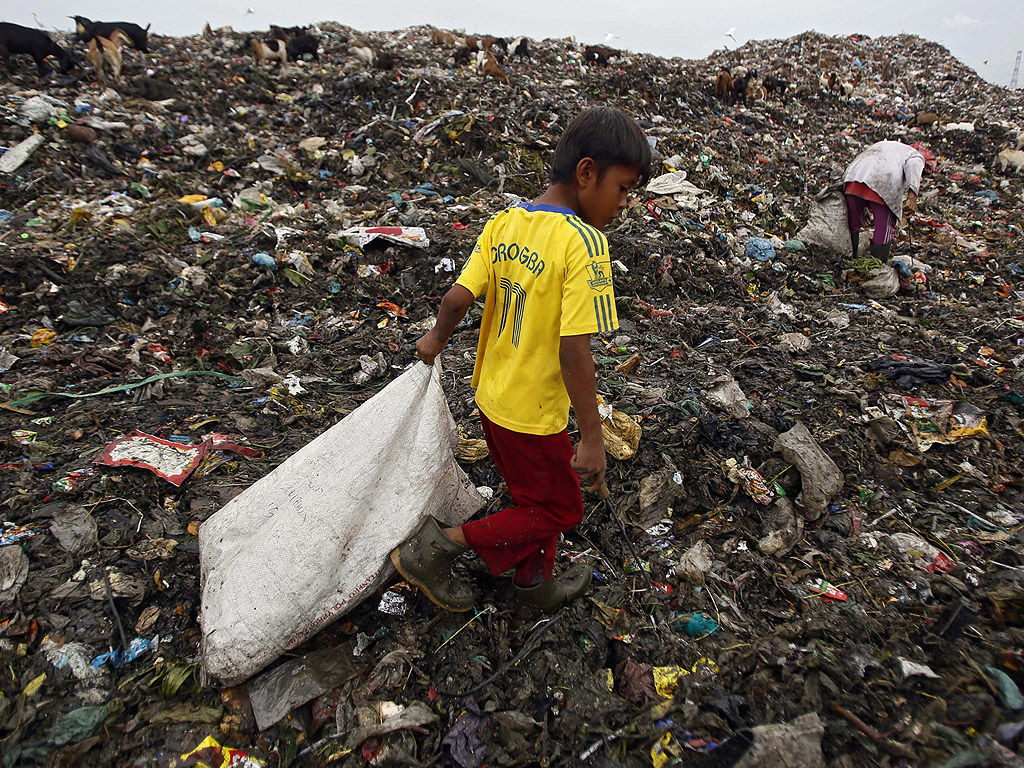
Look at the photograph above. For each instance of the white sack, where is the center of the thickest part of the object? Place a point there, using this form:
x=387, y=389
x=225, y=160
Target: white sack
x=307, y=542
x=828, y=224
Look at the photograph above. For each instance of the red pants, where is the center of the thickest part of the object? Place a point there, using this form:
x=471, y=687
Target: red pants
x=547, y=497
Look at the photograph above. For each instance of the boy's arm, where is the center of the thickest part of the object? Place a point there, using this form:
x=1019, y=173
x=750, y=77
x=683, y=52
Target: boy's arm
x=578, y=374
x=454, y=306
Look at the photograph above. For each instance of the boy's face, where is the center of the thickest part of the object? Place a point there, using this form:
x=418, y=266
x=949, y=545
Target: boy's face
x=602, y=197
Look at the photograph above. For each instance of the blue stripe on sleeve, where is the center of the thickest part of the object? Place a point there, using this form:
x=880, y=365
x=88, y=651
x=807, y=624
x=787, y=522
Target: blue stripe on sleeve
x=587, y=233
x=582, y=234
x=599, y=241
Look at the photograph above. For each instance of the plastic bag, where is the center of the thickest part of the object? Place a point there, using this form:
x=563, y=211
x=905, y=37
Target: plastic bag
x=828, y=225
x=310, y=540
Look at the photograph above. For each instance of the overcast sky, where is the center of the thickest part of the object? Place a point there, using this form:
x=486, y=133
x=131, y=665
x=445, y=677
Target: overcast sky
x=985, y=34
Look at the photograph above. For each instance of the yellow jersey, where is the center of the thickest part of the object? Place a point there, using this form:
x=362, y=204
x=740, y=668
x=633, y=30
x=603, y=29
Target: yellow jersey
x=545, y=274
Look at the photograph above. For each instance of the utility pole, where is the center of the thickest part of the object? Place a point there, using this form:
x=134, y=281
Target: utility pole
x=1016, y=69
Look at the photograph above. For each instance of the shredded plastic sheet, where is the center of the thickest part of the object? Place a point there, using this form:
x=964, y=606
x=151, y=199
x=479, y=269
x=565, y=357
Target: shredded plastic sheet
x=13, y=404
x=937, y=421
x=414, y=237
x=174, y=462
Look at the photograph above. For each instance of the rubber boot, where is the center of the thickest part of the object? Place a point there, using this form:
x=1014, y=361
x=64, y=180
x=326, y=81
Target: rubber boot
x=425, y=560
x=855, y=242
x=548, y=596
x=881, y=252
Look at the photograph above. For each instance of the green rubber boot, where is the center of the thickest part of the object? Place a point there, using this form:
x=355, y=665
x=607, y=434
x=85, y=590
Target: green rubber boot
x=425, y=560
x=548, y=596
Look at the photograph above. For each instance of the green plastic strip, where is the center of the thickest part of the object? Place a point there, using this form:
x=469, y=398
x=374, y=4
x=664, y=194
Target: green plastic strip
x=121, y=388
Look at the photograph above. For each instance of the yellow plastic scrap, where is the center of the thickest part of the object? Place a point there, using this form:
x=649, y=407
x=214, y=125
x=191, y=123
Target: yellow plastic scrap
x=191, y=198
x=33, y=687
x=42, y=337
x=663, y=749
x=666, y=679
x=621, y=434
x=78, y=215
x=470, y=450
x=220, y=756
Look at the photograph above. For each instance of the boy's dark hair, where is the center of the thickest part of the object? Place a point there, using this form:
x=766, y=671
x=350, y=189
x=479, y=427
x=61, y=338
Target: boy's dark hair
x=609, y=136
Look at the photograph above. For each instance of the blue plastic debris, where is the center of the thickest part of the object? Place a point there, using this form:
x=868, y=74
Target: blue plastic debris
x=138, y=647
x=265, y=260
x=760, y=249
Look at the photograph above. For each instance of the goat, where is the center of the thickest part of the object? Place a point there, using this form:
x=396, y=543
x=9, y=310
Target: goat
x=385, y=61
x=479, y=43
x=302, y=44
x=599, y=54
x=364, y=53
x=1011, y=157
x=285, y=33
x=487, y=64
x=442, y=37
x=846, y=87
x=925, y=119
x=739, y=85
x=723, y=84
x=461, y=57
x=16, y=39
x=87, y=30
x=828, y=81
x=270, y=50
x=105, y=53
x=773, y=84
x=519, y=47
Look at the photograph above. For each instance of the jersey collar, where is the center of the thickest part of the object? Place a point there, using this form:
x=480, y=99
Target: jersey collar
x=549, y=208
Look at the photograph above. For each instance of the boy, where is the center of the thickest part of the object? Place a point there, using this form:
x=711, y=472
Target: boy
x=545, y=270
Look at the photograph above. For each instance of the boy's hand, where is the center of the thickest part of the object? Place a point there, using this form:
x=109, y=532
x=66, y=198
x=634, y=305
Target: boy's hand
x=428, y=347
x=589, y=462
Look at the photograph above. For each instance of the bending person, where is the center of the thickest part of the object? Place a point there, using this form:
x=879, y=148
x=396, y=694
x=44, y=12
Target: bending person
x=879, y=177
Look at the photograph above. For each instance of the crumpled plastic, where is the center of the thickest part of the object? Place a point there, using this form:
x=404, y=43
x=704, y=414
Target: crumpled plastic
x=820, y=478
x=463, y=743
x=908, y=372
x=931, y=422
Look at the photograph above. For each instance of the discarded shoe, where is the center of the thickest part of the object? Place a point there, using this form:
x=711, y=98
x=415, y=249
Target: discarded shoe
x=549, y=596
x=425, y=560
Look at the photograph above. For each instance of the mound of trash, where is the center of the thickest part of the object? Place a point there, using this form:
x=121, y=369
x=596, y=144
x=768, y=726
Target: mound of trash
x=812, y=551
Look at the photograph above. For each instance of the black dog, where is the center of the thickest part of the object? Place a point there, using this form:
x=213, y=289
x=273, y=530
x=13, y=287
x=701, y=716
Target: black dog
x=16, y=39
x=87, y=30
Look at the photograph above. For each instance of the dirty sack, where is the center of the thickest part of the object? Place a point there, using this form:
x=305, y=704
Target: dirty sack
x=827, y=224
x=310, y=540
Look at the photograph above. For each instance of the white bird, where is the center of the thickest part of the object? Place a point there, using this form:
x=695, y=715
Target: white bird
x=249, y=12
x=731, y=33
x=609, y=36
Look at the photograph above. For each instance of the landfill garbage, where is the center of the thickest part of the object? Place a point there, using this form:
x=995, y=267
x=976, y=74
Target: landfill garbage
x=247, y=311
x=276, y=692
x=820, y=478
x=621, y=434
x=759, y=248
x=795, y=743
